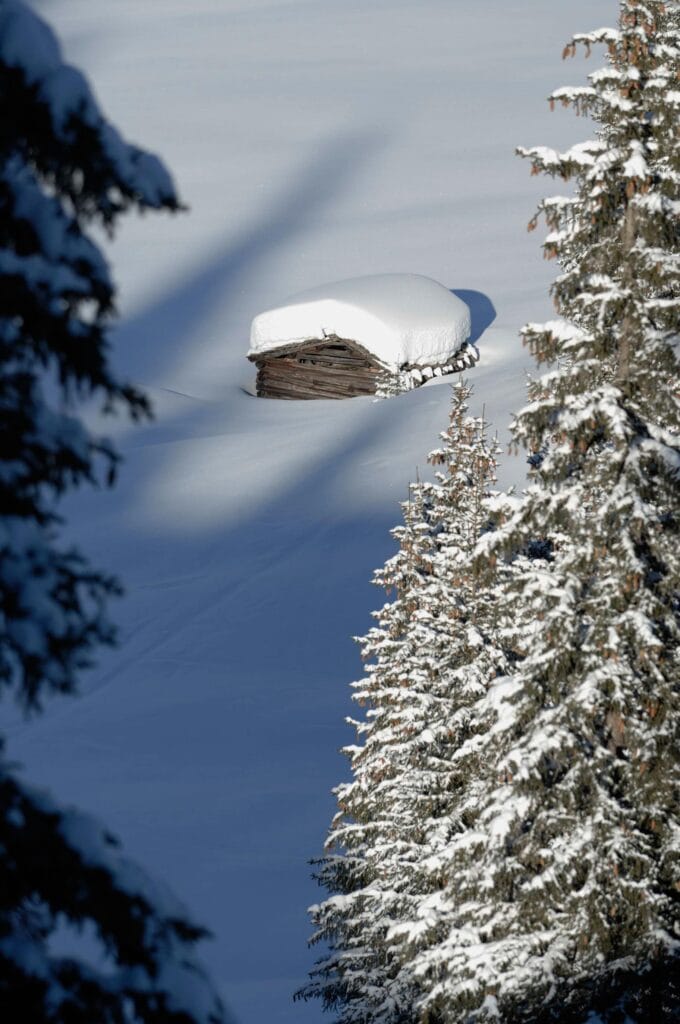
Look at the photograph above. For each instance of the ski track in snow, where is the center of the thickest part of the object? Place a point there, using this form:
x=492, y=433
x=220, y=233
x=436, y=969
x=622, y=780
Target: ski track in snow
x=314, y=142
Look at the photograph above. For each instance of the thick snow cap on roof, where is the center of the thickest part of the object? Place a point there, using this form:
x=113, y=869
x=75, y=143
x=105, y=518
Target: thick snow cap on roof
x=401, y=319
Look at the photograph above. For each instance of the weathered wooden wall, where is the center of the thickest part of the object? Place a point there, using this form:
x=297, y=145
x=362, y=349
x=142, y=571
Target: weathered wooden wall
x=332, y=368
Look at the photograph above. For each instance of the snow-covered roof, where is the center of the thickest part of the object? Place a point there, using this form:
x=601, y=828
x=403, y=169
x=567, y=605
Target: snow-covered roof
x=401, y=319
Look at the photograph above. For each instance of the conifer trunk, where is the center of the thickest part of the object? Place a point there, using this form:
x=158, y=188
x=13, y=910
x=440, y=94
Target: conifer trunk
x=626, y=340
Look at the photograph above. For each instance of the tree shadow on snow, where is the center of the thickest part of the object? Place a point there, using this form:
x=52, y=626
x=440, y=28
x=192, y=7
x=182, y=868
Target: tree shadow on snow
x=482, y=310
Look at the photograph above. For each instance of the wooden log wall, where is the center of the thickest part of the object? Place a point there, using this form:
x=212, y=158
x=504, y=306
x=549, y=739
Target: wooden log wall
x=329, y=369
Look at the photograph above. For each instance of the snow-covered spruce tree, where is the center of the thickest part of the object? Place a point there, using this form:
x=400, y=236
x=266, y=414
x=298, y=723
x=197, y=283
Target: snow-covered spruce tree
x=430, y=659
x=64, y=168
x=564, y=897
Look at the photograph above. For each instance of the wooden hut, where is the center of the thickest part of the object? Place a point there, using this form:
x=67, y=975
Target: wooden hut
x=351, y=337
x=332, y=368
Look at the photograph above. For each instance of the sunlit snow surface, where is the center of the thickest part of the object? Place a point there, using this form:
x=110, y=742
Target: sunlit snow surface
x=314, y=140
x=399, y=318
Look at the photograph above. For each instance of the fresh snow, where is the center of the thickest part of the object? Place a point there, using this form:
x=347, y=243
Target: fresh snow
x=401, y=319
x=313, y=142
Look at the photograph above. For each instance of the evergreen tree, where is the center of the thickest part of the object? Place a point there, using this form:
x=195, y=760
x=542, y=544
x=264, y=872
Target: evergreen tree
x=563, y=898
x=63, y=170
x=431, y=658
x=557, y=851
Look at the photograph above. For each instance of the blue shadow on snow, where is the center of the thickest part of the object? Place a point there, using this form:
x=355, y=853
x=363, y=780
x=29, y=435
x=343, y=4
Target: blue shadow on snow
x=482, y=310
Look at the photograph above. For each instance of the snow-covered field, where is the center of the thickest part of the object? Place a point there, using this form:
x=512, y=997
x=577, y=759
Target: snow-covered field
x=314, y=140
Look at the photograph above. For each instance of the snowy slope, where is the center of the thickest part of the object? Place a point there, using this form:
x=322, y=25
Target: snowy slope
x=315, y=140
